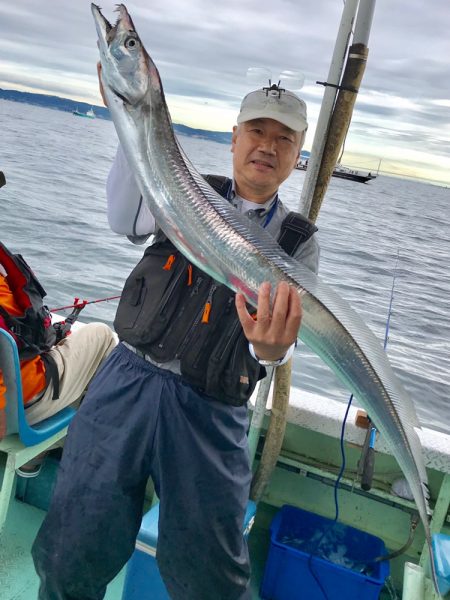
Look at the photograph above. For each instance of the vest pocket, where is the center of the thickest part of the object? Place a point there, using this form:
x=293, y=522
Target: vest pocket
x=214, y=316
x=216, y=358
x=151, y=295
x=232, y=372
x=177, y=333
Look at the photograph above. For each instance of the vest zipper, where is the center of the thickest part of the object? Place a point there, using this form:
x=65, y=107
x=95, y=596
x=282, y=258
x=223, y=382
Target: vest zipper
x=226, y=311
x=208, y=304
x=169, y=262
x=227, y=343
x=169, y=292
x=194, y=291
x=198, y=318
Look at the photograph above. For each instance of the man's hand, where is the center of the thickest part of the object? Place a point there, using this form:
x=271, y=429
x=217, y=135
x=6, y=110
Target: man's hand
x=2, y=423
x=100, y=84
x=274, y=331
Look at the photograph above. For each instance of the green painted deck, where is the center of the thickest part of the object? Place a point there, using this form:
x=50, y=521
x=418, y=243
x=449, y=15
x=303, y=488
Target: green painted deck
x=18, y=580
x=297, y=480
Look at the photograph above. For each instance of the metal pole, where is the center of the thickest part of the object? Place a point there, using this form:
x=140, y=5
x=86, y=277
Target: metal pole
x=258, y=413
x=340, y=122
x=280, y=403
x=275, y=432
x=334, y=78
x=363, y=23
x=343, y=107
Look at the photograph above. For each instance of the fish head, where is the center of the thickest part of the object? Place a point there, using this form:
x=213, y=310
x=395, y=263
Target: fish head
x=125, y=62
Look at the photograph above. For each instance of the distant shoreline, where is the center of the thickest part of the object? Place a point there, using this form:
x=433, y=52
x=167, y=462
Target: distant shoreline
x=101, y=112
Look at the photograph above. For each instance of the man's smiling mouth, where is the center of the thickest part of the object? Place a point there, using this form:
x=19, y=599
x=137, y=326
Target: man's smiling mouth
x=262, y=163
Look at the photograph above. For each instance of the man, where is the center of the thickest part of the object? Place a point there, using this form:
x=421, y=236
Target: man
x=170, y=402
x=54, y=375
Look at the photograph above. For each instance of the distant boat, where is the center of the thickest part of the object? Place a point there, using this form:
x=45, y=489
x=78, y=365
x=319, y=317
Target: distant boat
x=352, y=174
x=90, y=114
x=343, y=172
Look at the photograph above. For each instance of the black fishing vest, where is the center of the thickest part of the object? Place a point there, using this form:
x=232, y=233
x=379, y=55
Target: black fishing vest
x=170, y=309
x=32, y=329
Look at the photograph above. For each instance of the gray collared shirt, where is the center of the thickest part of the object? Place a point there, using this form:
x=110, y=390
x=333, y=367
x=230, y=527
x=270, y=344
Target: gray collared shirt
x=307, y=253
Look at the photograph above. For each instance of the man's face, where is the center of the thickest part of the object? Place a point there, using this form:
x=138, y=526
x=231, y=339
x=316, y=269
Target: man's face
x=264, y=154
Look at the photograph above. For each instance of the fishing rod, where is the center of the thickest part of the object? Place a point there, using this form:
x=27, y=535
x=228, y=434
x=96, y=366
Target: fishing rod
x=81, y=304
x=62, y=328
x=367, y=461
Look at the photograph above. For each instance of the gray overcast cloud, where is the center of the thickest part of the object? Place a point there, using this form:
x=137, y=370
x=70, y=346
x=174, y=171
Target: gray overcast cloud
x=203, y=50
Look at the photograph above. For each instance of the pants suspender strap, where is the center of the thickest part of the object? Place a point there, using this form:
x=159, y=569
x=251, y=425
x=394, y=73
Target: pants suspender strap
x=51, y=374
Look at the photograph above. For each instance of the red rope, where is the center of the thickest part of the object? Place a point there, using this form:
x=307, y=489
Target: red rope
x=78, y=304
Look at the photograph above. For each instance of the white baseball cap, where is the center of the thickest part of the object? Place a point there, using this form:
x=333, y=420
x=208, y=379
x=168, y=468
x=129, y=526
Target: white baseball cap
x=283, y=106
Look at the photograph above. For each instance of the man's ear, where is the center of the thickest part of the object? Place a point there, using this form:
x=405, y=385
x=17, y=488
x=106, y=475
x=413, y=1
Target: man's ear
x=233, y=138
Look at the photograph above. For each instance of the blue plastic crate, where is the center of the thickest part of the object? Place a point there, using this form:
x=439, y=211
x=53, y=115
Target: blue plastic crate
x=295, y=535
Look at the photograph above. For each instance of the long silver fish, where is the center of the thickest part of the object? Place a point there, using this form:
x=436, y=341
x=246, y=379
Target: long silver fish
x=240, y=254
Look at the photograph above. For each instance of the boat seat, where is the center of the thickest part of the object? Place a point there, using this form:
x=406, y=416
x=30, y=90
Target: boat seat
x=23, y=441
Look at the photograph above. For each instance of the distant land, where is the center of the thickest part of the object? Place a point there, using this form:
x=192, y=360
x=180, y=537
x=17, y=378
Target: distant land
x=101, y=112
x=67, y=105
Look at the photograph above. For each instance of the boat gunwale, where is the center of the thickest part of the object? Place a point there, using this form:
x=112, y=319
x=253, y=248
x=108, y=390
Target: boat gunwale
x=325, y=415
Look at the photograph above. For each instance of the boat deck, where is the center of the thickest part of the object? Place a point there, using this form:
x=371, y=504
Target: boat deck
x=18, y=580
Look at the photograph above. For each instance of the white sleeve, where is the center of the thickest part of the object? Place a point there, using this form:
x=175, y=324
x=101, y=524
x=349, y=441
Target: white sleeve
x=128, y=214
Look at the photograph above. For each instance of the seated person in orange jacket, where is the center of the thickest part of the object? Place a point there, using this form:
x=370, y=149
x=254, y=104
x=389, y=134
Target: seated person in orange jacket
x=58, y=375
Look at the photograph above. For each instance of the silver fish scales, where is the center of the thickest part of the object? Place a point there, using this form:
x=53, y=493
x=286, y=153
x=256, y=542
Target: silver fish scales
x=240, y=254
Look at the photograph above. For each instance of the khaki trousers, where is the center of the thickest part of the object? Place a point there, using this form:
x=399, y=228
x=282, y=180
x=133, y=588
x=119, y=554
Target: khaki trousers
x=77, y=357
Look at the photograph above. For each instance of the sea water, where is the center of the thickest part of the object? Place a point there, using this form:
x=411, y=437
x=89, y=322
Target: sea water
x=53, y=211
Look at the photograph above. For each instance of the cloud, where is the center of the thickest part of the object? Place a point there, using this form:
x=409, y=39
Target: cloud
x=203, y=51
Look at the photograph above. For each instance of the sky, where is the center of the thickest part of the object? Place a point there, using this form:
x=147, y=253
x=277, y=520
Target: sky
x=203, y=50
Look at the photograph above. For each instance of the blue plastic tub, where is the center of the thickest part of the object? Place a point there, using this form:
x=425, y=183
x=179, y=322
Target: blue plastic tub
x=296, y=535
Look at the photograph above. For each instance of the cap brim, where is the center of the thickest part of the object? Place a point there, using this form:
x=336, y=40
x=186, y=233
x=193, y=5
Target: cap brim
x=296, y=123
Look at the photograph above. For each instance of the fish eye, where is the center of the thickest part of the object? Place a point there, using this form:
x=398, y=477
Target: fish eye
x=131, y=43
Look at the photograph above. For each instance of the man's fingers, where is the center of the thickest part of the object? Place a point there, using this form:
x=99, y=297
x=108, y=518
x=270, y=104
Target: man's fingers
x=294, y=317
x=295, y=304
x=264, y=312
x=280, y=306
x=272, y=328
x=244, y=317
x=287, y=313
x=100, y=84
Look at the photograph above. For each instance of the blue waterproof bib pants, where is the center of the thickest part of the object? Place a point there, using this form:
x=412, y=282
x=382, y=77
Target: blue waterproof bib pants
x=138, y=421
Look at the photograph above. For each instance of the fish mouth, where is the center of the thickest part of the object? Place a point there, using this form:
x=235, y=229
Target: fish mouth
x=105, y=30
x=106, y=33
x=102, y=25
